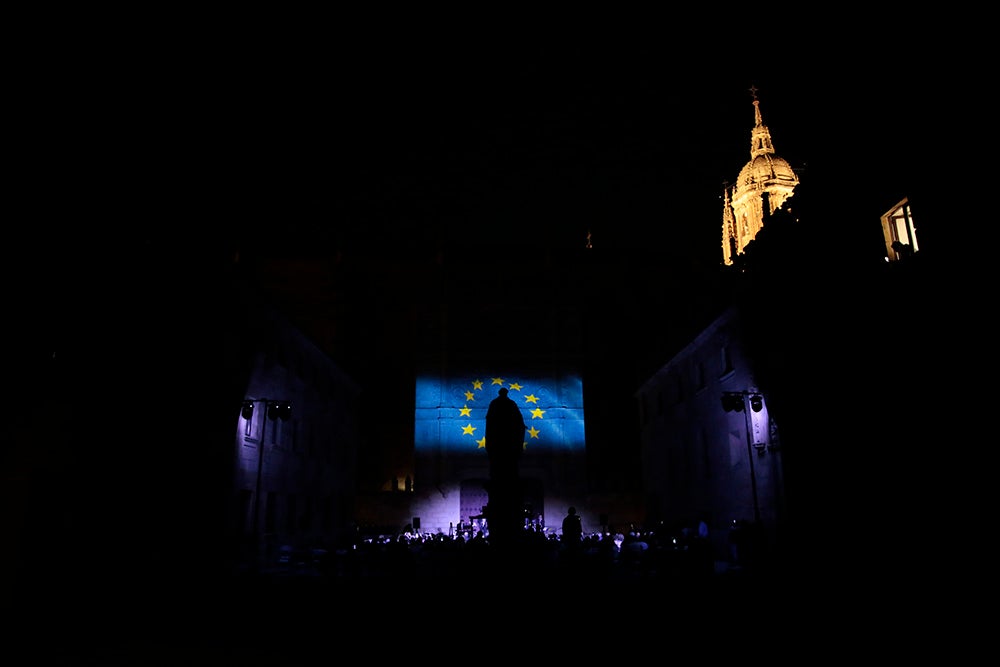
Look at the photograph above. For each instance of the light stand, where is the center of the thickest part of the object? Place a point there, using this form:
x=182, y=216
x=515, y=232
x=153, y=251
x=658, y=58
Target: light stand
x=745, y=401
x=275, y=410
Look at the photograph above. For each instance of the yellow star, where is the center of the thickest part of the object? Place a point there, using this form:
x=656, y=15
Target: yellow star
x=477, y=384
x=533, y=432
x=531, y=398
x=537, y=412
x=466, y=411
x=498, y=381
x=469, y=396
x=515, y=386
x=481, y=442
x=468, y=430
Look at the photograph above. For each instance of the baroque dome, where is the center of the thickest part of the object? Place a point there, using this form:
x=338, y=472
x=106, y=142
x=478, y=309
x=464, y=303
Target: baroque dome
x=764, y=169
x=763, y=186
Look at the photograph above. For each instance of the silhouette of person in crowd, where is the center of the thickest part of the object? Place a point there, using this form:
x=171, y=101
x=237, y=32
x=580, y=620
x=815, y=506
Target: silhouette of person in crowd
x=572, y=529
x=505, y=429
x=571, y=542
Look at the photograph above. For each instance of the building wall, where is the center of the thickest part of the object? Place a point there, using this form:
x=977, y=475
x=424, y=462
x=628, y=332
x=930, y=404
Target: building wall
x=552, y=481
x=307, y=483
x=698, y=462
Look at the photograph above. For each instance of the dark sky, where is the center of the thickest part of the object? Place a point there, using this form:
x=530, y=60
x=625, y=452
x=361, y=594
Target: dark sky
x=390, y=141
x=371, y=147
x=445, y=148
x=391, y=135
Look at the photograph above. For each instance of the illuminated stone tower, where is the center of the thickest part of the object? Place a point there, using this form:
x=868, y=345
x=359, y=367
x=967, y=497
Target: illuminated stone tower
x=765, y=183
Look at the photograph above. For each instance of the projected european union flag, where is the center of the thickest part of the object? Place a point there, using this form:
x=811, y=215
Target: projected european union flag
x=451, y=413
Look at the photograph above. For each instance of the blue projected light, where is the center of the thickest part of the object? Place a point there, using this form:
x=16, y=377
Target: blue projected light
x=451, y=412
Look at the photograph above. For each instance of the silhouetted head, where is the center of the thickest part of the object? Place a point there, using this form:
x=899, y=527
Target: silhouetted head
x=503, y=391
x=572, y=510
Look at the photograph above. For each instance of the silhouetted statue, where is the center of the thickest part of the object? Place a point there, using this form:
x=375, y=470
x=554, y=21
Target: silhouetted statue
x=504, y=443
x=504, y=436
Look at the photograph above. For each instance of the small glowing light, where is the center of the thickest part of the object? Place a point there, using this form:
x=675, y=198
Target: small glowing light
x=279, y=410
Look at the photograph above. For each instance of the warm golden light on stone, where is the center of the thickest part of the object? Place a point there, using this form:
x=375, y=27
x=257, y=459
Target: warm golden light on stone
x=765, y=178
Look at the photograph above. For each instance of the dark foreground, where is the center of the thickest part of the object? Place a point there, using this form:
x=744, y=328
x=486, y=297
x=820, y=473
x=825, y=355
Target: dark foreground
x=491, y=605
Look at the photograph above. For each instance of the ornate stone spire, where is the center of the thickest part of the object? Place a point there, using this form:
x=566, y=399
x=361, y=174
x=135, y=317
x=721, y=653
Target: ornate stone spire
x=765, y=182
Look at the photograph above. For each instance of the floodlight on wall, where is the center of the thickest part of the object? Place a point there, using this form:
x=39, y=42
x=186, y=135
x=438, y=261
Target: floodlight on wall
x=279, y=410
x=274, y=411
x=736, y=401
x=732, y=401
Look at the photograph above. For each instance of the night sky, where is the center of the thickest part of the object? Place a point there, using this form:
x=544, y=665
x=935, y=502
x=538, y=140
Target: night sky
x=439, y=149
x=417, y=140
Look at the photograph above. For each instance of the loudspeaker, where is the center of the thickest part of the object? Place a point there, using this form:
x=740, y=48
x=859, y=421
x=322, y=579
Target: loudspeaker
x=416, y=523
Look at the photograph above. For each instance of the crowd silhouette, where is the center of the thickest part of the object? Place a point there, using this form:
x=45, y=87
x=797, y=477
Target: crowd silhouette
x=674, y=554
